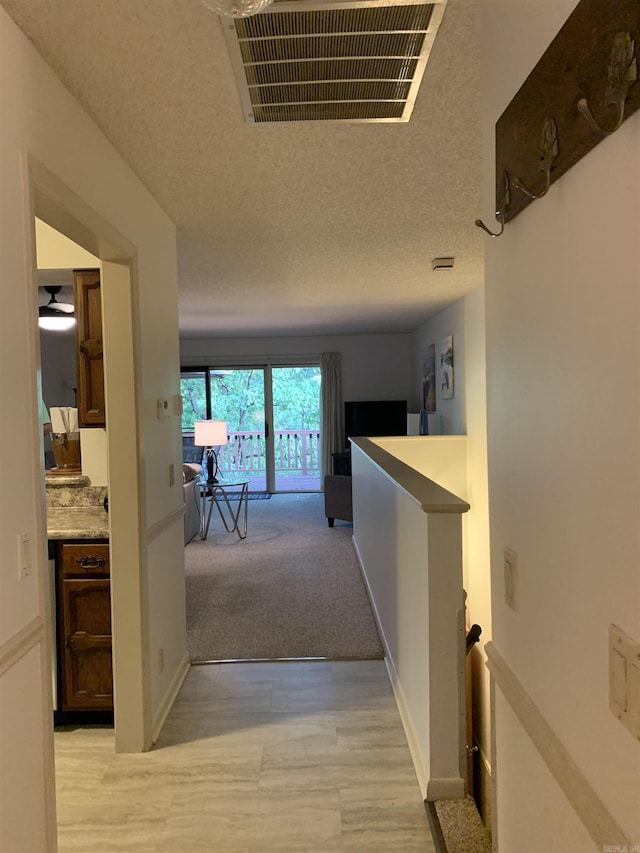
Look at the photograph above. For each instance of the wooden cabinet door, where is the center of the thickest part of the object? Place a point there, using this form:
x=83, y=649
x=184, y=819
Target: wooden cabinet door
x=86, y=671
x=90, y=368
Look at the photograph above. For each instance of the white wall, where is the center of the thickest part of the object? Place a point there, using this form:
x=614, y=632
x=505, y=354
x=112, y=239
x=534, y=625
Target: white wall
x=45, y=134
x=374, y=367
x=55, y=251
x=563, y=379
x=447, y=322
x=466, y=414
x=477, y=558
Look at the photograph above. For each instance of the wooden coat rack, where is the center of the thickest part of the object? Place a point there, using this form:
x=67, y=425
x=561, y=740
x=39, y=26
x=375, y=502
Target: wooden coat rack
x=582, y=89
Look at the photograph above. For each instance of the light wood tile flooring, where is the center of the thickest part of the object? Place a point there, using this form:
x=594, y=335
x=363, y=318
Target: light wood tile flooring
x=304, y=757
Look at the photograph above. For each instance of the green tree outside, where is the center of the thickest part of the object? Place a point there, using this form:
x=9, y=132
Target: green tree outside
x=237, y=397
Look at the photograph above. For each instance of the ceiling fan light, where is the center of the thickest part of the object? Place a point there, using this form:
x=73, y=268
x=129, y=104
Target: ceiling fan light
x=56, y=316
x=236, y=8
x=56, y=322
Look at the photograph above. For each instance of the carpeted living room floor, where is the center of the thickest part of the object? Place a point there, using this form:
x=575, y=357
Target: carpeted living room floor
x=292, y=588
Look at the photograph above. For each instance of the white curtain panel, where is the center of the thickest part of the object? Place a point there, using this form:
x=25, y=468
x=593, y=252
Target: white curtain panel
x=332, y=408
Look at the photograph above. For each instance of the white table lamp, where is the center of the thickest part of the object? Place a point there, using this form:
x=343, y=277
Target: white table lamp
x=210, y=434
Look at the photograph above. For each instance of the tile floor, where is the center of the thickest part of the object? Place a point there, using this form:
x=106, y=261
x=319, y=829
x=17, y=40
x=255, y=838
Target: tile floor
x=304, y=757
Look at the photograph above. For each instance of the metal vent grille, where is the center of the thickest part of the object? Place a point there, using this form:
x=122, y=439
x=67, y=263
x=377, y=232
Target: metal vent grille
x=310, y=62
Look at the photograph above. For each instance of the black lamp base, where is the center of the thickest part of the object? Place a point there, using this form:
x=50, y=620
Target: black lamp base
x=212, y=466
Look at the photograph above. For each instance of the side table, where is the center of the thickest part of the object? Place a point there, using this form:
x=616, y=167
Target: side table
x=234, y=520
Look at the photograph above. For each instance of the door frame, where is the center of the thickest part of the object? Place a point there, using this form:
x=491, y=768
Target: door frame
x=50, y=200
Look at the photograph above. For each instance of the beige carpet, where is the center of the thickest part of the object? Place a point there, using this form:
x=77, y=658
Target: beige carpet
x=462, y=826
x=292, y=588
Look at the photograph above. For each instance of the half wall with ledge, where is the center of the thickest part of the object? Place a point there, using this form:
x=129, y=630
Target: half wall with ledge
x=407, y=532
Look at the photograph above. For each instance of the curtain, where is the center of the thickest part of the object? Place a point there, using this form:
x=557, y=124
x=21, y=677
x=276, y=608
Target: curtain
x=332, y=415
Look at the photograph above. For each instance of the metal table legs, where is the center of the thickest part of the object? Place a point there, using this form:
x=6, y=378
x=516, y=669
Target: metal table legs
x=235, y=521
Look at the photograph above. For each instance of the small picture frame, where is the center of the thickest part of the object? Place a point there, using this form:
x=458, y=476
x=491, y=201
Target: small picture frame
x=446, y=368
x=429, y=380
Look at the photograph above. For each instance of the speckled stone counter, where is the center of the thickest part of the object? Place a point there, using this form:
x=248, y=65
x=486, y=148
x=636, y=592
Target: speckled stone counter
x=77, y=523
x=75, y=508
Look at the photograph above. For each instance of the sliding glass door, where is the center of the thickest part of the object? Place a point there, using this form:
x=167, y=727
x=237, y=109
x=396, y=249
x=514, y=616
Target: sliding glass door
x=237, y=397
x=273, y=422
x=296, y=434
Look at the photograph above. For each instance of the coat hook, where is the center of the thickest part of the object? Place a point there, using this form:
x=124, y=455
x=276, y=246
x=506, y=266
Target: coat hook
x=480, y=224
x=505, y=201
x=548, y=153
x=622, y=74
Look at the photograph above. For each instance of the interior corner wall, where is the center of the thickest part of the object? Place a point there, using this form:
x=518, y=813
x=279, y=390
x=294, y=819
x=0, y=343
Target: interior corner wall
x=467, y=413
x=563, y=389
x=447, y=322
x=374, y=367
x=42, y=124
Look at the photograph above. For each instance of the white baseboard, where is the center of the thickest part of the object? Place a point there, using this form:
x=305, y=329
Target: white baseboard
x=170, y=696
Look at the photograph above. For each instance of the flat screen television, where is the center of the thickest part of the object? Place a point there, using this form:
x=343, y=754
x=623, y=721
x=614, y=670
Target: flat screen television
x=374, y=418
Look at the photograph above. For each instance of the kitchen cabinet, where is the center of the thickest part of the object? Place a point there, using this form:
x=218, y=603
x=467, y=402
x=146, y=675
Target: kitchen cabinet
x=89, y=355
x=85, y=679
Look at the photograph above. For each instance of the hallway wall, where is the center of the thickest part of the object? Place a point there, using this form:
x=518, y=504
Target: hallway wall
x=563, y=379
x=466, y=413
x=448, y=322
x=44, y=131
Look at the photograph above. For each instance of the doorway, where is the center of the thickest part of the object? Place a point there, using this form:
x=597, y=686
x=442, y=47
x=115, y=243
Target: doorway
x=60, y=209
x=273, y=421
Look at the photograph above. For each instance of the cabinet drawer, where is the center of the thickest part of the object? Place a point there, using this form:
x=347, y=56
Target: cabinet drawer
x=83, y=559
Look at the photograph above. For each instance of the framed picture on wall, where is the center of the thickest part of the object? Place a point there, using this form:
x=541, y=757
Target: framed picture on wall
x=429, y=380
x=446, y=368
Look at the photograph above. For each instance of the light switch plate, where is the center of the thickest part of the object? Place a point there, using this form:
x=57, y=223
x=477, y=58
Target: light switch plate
x=24, y=556
x=163, y=410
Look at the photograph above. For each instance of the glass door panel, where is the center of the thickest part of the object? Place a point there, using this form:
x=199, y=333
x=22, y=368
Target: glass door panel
x=195, y=407
x=296, y=433
x=237, y=397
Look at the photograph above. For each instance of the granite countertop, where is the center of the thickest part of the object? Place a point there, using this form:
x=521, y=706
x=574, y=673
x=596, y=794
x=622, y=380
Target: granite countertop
x=75, y=508
x=77, y=522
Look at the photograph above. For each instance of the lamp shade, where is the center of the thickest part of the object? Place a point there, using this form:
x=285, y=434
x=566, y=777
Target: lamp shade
x=210, y=433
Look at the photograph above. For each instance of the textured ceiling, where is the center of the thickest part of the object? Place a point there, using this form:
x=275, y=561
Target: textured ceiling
x=318, y=228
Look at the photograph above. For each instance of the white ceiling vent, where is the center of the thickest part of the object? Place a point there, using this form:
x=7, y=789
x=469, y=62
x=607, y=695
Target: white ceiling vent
x=304, y=61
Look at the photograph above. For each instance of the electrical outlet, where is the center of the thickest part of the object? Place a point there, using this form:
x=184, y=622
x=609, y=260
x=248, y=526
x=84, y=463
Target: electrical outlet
x=510, y=577
x=160, y=660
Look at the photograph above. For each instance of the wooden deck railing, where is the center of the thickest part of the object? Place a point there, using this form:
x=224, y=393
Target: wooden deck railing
x=296, y=452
